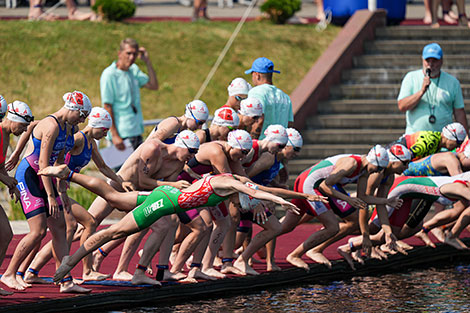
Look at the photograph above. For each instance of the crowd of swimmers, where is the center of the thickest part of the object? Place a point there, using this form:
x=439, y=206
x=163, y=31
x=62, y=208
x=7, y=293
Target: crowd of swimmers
x=200, y=190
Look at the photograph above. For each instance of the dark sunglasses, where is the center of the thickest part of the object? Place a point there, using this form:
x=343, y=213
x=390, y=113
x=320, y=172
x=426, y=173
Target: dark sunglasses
x=191, y=150
x=245, y=151
x=27, y=118
x=402, y=162
x=255, y=117
x=281, y=146
x=297, y=149
x=197, y=121
x=84, y=114
x=239, y=98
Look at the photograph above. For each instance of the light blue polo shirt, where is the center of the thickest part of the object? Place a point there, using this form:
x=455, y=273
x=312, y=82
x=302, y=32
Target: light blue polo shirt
x=277, y=106
x=120, y=89
x=444, y=93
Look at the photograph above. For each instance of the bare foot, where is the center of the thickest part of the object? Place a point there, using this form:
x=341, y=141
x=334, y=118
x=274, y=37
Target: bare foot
x=61, y=171
x=140, y=278
x=404, y=245
x=427, y=19
x=21, y=281
x=11, y=282
x=167, y=275
x=425, y=238
x=377, y=254
x=124, y=275
x=3, y=292
x=196, y=273
x=243, y=266
x=98, y=258
x=189, y=280
x=448, y=19
x=435, y=25
x=318, y=257
x=217, y=261
x=76, y=15
x=356, y=255
x=230, y=269
x=298, y=262
x=30, y=278
x=63, y=269
x=272, y=267
x=70, y=287
x=213, y=272
x=97, y=276
x=439, y=234
x=37, y=14
x=346, y=254
x=455, y=242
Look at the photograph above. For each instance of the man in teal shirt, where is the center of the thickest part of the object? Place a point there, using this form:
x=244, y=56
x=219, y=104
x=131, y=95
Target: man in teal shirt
x=430, y=97
x=120, y=85
x=277, y=106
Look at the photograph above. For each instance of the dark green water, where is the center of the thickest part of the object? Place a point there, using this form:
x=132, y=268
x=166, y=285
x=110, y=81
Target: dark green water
x=431, y=290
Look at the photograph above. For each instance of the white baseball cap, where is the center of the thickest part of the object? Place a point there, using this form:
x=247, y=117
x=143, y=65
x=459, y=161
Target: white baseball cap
x=99, y=117
x=294, y=138
x=251, y=107
x=238, y=86
x=276, y=133
x=3, y=106
x=197, y=110
x=77, y=101
x=187, y=139
x=20, y=112
x=226, y=117
x=240, y=139
x=378, y=156
x=399, y=153
x=454, y=131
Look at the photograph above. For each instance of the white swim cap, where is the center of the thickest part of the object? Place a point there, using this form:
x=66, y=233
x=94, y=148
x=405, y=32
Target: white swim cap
x=247, y=202
x=99, y=117
x=19, y=111
x=226, y=117
x=454, y=131
x=197, y=110
x=294, y=138
x=187, y=139
x=398, y=153
x=240, y=139
x=251, y=107
x=3, y=106
x=238, y=86
x=378, y=156
x=77, y=100
x=276, y=133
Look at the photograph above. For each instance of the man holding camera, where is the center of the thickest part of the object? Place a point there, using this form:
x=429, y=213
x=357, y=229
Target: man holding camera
x=120, y=85
x=431, y=97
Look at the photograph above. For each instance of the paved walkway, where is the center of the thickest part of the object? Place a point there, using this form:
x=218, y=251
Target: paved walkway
x=172, y=8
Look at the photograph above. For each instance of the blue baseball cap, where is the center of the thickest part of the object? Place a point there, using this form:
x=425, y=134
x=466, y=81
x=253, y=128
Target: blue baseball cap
x=262, y=65
x=433, y=50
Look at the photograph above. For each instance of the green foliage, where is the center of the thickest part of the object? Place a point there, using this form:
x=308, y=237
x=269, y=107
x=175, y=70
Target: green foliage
x=280, y=11
x=115, y=10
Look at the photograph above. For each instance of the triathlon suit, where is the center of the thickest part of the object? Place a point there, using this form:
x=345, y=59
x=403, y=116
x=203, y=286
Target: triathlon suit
x=255, y=154
x=418, y=194
x=309, y=181
x=208, y=135
x=462, y=147
x=2, y=156
x=79, y=161
x=263, y=178
x=33, y=194
x=172, y=139
x=166, y=200
x=422, y=168
x=421, y=143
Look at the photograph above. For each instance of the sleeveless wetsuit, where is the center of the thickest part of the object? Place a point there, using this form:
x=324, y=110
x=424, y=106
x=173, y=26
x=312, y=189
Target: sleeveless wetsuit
x=33, y=195
x=79, y=161
x=2, y=156
x=309, y=181
x=166, y=200
x=171, y=139
x=422, y=168
x=412, y=190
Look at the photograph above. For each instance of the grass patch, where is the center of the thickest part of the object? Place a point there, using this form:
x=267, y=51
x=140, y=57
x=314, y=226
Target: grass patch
x=43, y=60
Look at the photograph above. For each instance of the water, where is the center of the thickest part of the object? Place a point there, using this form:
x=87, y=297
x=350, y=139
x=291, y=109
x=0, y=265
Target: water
x=431, y=290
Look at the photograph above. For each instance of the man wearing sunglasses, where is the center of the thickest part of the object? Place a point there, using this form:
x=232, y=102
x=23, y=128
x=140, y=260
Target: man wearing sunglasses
x=424, y=143
x=277, y=106
x=237, y=92
x=151, y=165
x=120, y=85
x=195, y=115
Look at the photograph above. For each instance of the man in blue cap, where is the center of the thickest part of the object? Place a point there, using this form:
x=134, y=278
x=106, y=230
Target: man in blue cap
x=430, y=97
x=277, y=106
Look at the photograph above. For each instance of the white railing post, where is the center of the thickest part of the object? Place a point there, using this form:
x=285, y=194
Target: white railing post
x=372, y=5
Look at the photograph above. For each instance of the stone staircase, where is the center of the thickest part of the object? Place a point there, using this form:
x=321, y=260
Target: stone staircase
x=362, y=110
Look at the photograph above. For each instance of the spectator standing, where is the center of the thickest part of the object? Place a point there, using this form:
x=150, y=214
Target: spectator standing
x=277, y=106
x=431, y=97
x=120, y=85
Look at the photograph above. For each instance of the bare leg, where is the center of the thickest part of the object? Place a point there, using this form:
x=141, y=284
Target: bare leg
x=434, y=8
x=427, y=12
x=228, y=244
x=74, y=14
x=128, y=250
x=220, y=229
x=6, y=234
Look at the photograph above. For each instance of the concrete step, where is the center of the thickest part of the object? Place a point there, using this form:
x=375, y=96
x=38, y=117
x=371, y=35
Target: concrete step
x=365, y=106
x=423, y=33
x=407, y=61
x=353, y=135
x=375, y=91
x=325, y=150
x=299, y=165
x=450, y=47
x=391, y=76
x=389, y=121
